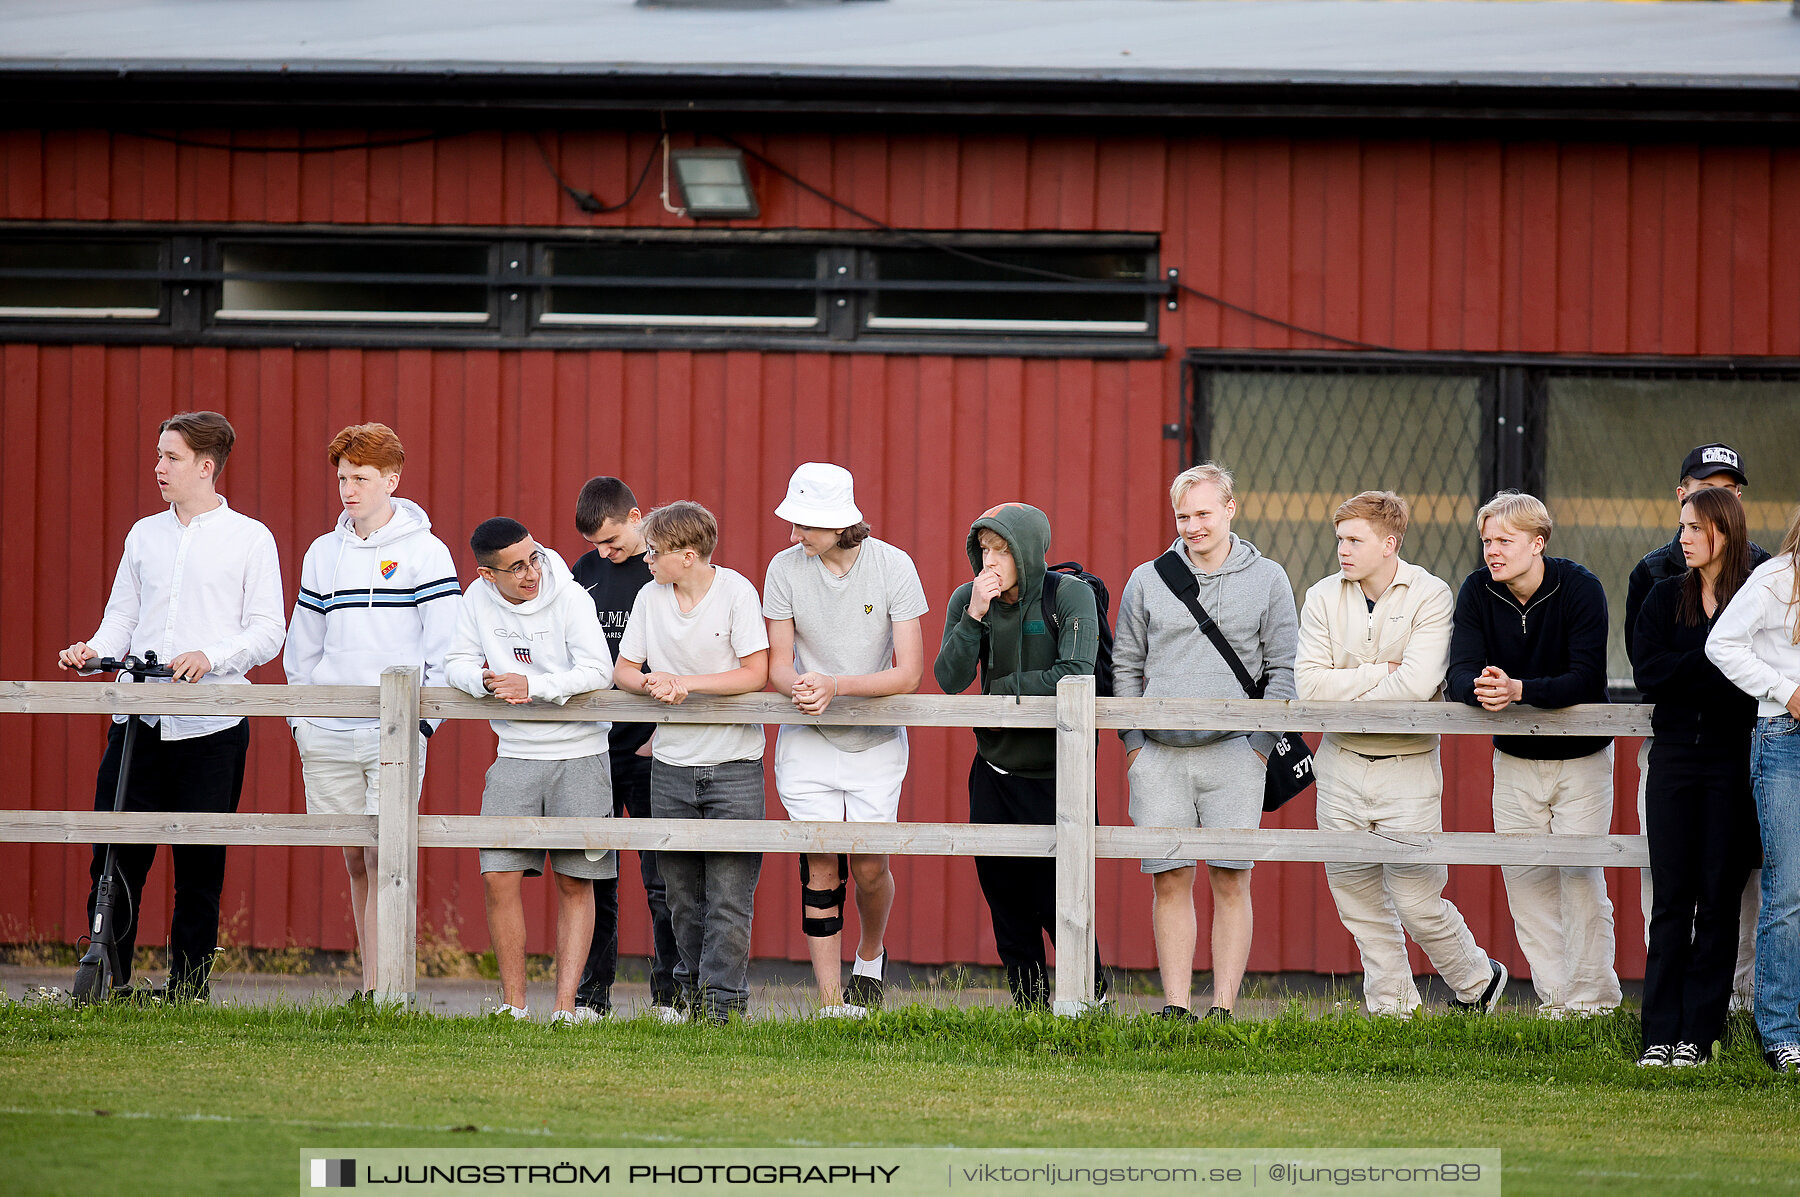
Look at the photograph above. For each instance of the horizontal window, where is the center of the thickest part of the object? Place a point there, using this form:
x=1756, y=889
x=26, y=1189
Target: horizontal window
x=356, y=281
x=76, y=280
x=953, y=292
x=665, y=285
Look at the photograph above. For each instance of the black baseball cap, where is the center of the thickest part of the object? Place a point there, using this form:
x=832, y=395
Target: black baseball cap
x=1708, y=460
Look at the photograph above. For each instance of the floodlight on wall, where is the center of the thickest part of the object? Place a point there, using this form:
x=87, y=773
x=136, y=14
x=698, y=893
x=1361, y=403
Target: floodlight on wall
x=714, y=184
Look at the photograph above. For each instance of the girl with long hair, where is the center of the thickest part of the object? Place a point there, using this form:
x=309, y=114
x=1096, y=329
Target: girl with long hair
x=1756, y=644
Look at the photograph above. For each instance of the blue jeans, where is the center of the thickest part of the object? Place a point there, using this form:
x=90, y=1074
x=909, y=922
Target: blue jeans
x=1775, y=780
x=711, y=895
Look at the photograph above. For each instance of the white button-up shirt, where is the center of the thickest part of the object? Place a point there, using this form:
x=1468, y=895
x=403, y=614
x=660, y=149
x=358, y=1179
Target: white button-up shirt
x=212, y=585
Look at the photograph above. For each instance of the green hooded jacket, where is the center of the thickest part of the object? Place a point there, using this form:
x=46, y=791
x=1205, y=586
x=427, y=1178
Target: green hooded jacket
x=1024, y=656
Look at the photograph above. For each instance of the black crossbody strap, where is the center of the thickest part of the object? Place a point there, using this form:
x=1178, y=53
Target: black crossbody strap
x=1180, y=580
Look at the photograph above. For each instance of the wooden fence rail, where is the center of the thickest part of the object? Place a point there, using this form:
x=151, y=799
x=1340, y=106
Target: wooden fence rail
x=399, y=830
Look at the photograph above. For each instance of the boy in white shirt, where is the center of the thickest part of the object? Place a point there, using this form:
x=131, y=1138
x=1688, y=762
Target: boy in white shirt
x=526, y=632
x=377, y=590
x=700, y=626
x=200, y=585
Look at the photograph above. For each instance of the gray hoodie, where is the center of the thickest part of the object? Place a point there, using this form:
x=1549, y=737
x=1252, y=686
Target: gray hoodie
x=1160, y=652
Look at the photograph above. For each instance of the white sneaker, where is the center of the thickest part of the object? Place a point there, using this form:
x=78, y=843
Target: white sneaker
x=667, y=1014
x=579, y=1016
x=843, y=1011
x=518, y=1013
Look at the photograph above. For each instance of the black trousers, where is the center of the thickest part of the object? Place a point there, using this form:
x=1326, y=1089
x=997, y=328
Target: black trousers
x=202, y=774
x=631, y=796
x=1020, y=890
x=1701, y=821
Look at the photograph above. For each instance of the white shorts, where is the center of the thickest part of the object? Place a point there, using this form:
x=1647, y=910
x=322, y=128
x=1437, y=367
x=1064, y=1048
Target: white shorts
x=342, y=769
x=820, y=783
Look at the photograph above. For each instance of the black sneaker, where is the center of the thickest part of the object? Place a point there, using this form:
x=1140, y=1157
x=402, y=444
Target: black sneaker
x=863, y=991
x=1687, y=1055
x=1217, y=1014
x=1784, y=1058
x=1656, y=1056
x=1490, y=997
x=1177, y=1014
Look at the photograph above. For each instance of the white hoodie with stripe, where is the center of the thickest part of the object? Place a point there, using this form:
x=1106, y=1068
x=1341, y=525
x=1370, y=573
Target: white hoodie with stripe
x=366, y=605
x=555, y=640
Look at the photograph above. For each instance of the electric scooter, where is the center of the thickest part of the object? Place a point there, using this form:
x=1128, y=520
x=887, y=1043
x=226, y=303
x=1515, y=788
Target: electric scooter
x=100, y=967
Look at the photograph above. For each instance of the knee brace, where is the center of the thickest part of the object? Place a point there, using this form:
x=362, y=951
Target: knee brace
x=823, y=899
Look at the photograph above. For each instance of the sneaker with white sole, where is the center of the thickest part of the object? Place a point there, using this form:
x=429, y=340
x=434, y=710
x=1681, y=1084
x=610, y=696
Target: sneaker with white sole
x=845, y=1010
x=516, y=1013
x=668, y=1014
x=1656, y=1056
x=1687, y=1055
x=579, y=1016
x=1490, y=997
x=1784, y=1058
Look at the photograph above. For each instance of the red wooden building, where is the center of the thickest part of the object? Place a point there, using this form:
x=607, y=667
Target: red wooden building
x=1551, y=247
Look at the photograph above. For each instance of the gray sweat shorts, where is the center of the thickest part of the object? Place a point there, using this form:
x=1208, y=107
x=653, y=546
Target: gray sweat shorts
x=574, y=789
x=1209, y=785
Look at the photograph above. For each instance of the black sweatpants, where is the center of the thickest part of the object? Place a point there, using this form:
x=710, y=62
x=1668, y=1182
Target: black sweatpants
x=204, y=774
x=631, y=796
x=1701, y=821
x=1020, y=890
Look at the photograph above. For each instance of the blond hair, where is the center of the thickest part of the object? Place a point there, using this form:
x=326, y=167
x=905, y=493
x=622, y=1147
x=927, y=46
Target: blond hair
x=1386, y=512
x=680, y=525
x=1206, y=471
x=1516, y=509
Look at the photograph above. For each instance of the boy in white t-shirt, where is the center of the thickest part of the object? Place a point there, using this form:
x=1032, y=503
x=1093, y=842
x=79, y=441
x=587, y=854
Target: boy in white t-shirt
x=843, y=611
x=700, y=626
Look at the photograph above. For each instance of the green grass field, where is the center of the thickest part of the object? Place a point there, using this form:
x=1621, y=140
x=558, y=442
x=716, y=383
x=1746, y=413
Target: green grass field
x=219, y=1100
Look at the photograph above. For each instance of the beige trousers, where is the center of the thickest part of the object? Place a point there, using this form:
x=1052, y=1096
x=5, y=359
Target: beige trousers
x=1562, y=916
x=1381, y=904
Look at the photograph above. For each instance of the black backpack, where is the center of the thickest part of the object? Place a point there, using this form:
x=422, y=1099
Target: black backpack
x=1103, y=660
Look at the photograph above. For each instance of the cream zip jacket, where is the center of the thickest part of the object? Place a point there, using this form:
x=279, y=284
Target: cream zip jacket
x=1345, y=650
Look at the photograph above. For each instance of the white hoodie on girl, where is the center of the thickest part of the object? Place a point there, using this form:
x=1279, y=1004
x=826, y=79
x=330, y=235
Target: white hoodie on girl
x=366, y=605
x=555, y=640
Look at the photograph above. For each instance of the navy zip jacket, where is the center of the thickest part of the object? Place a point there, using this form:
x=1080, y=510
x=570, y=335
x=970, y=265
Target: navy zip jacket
x=1555, y=645
x=1694, y=703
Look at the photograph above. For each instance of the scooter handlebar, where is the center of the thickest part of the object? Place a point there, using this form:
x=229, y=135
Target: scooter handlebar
x=140, y=669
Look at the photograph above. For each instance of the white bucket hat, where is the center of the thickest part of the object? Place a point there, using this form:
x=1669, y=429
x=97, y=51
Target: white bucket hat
x=820, y=495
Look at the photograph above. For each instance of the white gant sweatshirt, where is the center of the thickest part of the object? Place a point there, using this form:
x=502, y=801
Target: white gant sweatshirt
x=1753, y=641
x=366, y=605
x=555, y=640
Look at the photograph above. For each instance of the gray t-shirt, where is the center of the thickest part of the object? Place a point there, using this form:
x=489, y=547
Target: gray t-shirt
x=845, y=625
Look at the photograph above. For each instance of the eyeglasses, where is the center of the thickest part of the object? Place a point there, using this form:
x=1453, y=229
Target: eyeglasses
x=534, y=564
x=651, y=552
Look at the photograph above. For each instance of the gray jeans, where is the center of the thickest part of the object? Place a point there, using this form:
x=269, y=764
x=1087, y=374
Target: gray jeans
x=711, y=894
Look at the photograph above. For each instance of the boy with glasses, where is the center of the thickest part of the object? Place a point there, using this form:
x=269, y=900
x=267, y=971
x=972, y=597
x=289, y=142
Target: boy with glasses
x=699, y=627
x=526, y=632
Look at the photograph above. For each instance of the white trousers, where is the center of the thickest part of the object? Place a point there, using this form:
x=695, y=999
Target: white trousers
x=1381, y=904
x=1743, y=981
x=1562, y=916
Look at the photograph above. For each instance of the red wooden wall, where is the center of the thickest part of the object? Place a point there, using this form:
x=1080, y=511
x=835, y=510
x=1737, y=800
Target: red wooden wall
x=1450, y=244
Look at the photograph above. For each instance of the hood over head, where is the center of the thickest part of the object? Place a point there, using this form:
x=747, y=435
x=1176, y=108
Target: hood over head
x=1026, y=531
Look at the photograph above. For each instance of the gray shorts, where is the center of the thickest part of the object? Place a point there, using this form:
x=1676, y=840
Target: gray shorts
x=1211, y=785
x=574, y=789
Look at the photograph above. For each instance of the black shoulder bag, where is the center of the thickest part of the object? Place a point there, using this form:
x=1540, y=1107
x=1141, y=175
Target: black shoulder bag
x=1290, y=763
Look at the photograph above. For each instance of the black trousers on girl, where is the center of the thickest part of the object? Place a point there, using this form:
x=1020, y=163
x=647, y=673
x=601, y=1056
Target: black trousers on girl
x=1703, y=843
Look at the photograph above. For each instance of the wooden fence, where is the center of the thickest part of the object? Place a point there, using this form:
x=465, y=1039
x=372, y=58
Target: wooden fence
x=398, y=831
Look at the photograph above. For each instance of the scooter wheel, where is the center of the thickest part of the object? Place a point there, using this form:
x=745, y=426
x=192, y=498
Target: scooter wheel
x=90, y=978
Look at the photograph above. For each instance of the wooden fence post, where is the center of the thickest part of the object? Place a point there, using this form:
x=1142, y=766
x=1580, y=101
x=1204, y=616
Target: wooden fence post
x=1075, y=844
x=397, y=834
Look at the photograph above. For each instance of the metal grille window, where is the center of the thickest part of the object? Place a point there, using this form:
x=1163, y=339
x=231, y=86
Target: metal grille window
x=1010, y=291
x=659, y=284
x=1300, y=442
x=1599, y=441
x=80, y=280
x=384, y=282
x=1614, y=445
